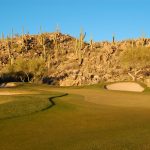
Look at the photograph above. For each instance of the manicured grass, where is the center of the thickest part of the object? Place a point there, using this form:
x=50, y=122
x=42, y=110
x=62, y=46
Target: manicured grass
x=82, y=120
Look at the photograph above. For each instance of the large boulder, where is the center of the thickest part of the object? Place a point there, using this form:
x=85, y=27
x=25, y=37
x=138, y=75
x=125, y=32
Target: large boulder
x=9, y=85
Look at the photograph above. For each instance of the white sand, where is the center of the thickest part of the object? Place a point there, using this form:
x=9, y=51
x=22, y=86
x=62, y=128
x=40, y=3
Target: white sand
x=125, y=86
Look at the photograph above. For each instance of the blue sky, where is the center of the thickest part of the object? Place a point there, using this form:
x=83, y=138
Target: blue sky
x=100, y=19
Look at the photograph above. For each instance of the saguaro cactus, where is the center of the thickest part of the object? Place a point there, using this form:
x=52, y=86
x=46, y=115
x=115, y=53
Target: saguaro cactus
x=91, y=44
x=113, y=38
x=42, y=43
x=79, y=43
x=82, y=37
x=56, y=47
x=44, y=47
x=48, y=62
x=22, y=36
x=132, y=43
x=57, y=28
x=12, y=33
x=9, y=45
x=2, y=36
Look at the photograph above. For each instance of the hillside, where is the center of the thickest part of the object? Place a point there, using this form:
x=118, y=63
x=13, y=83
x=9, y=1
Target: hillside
x=59, y=59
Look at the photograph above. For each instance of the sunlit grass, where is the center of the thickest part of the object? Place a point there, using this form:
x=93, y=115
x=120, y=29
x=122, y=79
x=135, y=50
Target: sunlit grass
x=76, y=124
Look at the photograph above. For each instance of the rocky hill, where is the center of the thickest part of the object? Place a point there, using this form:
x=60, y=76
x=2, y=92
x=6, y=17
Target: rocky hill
x=69, y=61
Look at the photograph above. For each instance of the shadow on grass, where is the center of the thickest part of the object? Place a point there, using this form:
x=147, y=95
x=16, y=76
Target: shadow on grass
x=51, y=100
x=52, y=103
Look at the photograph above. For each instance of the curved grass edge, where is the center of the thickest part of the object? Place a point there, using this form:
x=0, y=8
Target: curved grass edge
x=49, y=103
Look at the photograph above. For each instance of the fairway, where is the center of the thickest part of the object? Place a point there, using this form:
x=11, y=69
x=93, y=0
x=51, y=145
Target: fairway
x=82, y=118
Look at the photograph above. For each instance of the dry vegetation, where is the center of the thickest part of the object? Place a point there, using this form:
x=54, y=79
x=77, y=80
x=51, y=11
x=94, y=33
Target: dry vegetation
x=59, y=59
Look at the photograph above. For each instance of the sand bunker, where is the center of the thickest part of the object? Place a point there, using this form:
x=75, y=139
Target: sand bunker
x=125, y=86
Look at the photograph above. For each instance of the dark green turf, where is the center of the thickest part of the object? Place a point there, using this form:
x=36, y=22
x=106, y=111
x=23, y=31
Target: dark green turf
x=75, y=124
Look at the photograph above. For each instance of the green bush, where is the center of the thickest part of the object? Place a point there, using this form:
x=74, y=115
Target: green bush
x=35, y=67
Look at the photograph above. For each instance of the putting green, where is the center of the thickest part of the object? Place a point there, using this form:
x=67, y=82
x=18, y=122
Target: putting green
x=112, y=98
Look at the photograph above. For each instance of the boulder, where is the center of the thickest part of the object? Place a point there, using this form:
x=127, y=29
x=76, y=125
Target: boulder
x=8, y=85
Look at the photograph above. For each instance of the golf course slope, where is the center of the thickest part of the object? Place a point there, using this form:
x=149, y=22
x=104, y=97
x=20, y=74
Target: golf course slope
x=125, y=86
x=86, y=118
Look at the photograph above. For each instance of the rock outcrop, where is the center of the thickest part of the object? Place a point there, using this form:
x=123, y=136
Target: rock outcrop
x=71, y=64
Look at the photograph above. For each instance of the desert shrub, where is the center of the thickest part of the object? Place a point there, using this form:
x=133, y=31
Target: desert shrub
x=31, y=70
x=135, y=60
x=136, y=57
x=37, y=67
x=17, y=48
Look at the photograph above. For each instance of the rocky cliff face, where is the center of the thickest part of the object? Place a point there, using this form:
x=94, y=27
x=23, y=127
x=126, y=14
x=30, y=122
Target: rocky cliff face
x=71, y=61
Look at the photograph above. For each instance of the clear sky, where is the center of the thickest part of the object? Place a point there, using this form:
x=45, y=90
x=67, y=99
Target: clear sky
x=100, y=19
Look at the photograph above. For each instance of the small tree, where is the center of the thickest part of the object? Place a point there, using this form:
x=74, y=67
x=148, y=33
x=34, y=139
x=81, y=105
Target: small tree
x=37, y=67
x=19, y=65
x=135, y=59
x=25, y=68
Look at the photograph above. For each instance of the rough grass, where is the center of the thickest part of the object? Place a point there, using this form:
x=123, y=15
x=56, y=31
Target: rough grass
x=76, y=123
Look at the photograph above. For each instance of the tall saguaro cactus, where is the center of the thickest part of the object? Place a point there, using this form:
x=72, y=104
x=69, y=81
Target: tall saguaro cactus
x=48, y=63
x=9, y=46
x=3, y=36
x=56, y=47
x=42, y=42
x=113, y=38
x=22, y=36
x=44, y=48
x=79, y=43
x=91, y=44
x=82, y=37
x=12, y=33
x=24, y=39
x=9, y=42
